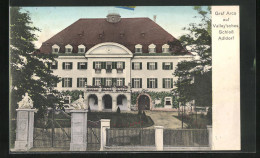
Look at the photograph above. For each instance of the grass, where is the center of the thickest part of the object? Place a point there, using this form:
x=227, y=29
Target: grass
x=190, y=120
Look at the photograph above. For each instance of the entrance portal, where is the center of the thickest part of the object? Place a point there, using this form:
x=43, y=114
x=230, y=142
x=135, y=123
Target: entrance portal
x=143, y=102
x=107, y=101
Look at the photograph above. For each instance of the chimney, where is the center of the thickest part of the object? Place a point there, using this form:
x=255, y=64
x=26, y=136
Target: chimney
x=154, y=18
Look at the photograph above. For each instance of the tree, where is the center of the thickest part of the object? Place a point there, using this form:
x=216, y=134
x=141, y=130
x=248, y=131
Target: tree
x=28, y=70
x=194, y=76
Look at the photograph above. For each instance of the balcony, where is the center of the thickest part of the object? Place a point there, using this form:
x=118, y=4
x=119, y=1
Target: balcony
x=107, y=88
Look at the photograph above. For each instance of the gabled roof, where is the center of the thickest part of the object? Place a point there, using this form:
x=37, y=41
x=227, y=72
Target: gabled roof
x=128, y=32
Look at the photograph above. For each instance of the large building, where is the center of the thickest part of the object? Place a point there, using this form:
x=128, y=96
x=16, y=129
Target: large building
x=117, y=62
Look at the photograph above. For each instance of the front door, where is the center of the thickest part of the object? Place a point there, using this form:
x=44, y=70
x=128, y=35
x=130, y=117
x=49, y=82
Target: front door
x=144, y=102
x=107, y=100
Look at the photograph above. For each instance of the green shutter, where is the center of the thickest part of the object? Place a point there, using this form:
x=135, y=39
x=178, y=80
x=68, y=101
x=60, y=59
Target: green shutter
x=156, y=83
x=132, y=84
x=113, y=81
x=113, y=65
x=148, y=83
x=71, y=65
x=163, y=82
x=70, y=82
x=102, y=81
x=78, y=65
x=140, y=66
x=94, y=63
x=63, y=65
x=148, y=65
x=141, y=82
x=171, y=83
x=156, y=66
x=77, y=82
x=62, y=82
x=163, y=66
x=171, y=66
x=123, y=81
x=93, y=82
x=132, y=66
x=123, y=65
x=86, y=81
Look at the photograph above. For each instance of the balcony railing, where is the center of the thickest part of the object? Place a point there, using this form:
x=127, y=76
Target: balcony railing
x=109, y=70
x=107, y=88
x=97, y=70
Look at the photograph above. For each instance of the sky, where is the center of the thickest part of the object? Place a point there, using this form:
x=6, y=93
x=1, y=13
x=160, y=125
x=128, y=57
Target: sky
x=51, y=20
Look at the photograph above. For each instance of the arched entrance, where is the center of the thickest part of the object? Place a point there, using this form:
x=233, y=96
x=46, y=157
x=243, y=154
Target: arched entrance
x=92, y=100
x=121, y=100
x=143, y=102
x=107, y=101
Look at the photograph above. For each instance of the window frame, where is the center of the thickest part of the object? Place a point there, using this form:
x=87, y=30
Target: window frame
x=82, y=81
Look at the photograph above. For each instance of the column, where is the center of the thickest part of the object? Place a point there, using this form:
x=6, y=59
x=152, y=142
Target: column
x=209, y=127
x=78, y=130
x=100, y=107
x=159, y=137
x=114, y=103
x=24, y=129
x=105, y=124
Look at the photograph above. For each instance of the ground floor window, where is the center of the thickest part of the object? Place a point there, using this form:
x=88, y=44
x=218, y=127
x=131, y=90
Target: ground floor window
x=151, y=82
x=168, y=101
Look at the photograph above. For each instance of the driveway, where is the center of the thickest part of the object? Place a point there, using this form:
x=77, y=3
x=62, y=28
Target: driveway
x=165, y=119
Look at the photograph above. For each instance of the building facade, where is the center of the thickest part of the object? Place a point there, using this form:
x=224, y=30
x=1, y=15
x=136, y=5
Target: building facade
x=115, y=59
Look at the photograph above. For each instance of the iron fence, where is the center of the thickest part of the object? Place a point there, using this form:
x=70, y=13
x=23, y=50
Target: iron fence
x=130, y=137
x=186, y=137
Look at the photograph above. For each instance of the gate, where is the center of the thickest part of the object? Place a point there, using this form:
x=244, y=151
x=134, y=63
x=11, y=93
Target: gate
x=93, y=135
x=53, y=130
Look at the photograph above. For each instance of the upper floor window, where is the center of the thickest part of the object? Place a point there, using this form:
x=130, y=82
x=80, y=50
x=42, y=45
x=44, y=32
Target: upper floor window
x=151, y=82
x=136, y=66
x=165, y=48
x=55, y=48
x=81, y=82
x=67, y=65
x=66, y=82
x=152, y=48
x=81, y=48
x=136, y=82
x=82, y=65
x=97, y=65
x=138, y=48
x=167, y=83
x=151, y=65
x=68, y=48
x=96, y=82
x=120, y=82
x=167, y=66
x=54, y=65
x=108, y=81
x=119, y=65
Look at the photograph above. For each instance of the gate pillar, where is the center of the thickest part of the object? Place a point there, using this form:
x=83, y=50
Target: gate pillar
x=105, y=124
x=78, y=130
x=159, y=137
x=24, y=124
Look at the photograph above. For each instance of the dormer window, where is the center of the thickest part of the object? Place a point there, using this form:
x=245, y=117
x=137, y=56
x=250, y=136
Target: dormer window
x=68, y=48
x=165, y=48
x=81, y=49
x=151, y=48
x=138, y=48
x=55, y=48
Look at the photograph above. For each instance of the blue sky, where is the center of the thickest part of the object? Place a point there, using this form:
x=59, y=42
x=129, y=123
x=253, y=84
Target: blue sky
x=51, y=20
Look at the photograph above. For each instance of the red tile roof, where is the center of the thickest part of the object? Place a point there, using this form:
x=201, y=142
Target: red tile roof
x=128, y=32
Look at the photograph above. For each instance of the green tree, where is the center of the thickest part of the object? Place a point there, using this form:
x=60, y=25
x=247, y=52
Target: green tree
x=28, y=70
x=194, y=76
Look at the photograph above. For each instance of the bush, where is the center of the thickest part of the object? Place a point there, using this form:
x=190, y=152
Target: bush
x=139, y=112
x=118, y=110
x=144, y=114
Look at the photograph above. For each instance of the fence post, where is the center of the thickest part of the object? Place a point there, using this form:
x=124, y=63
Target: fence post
x=105, y=124
x=209, y=127
x=78, y=130
x=159, y=137
x=24, y=124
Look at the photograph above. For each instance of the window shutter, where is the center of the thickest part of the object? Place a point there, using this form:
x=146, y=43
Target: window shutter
x=93, y=82
x=171, y=66
x=77, y=82
x=103, y=65
x=132, y=66
x=123, y=65
x=78, y=65
x=71, y=65
x=123, y=81
x=140, y=66
x=156, y=66
x=70, y=82
x=156, y=83
x=113, y=65
x=94, y=64
x=148, y=83
x=148, y=65
x=86, y=63
x=140, y=82
x=132, y=83
x=163, y=66
x=163, y=82
x=102, y=82
x=171, y=83
x=62, y=82
x=63, y=65
x=86, y=81
x=56, y=65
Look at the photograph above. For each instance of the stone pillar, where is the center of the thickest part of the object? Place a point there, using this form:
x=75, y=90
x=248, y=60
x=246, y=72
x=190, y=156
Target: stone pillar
x=24, y=124
x=209, y=127
x=78, y=130
x=159, y=137
x=114, y=103
x=105, y=124
x=99, y=103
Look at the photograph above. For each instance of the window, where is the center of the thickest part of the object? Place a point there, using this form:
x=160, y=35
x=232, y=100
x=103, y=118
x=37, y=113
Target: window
x=152, y=48
x=138, y=48
x=167, y=83
x=81, y=82
x=81, y=49
x=108, y=81
x=66, y=82
x=96, y=81
x=97, y=65
x=136, y=66
x=68, y=48
x=82, y=65
x=151, y=82
x=136, y=82
x=152, y=66
x=120, y=82
x=119, y=65
x=67, y=65
x=165, y=48
x=66, y=99
x=167, y=65
x=167, y=101
x=54, y=65
x=55, y=48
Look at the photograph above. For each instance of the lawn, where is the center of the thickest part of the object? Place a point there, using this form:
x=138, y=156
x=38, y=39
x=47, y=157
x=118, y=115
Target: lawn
x=190, y=120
